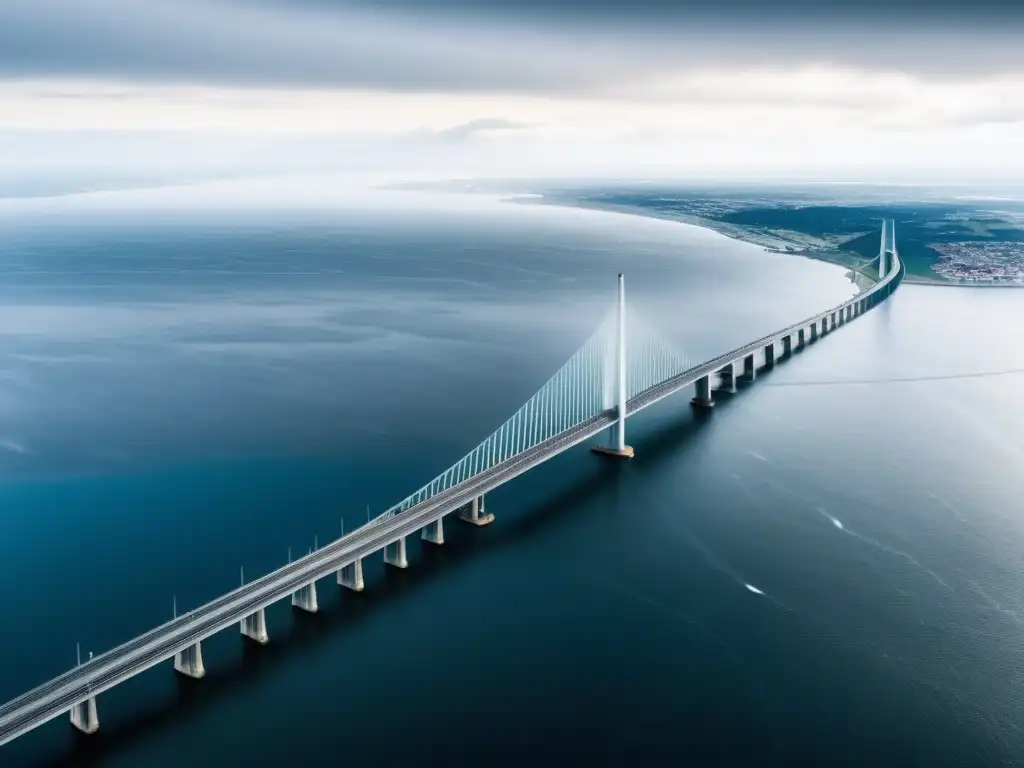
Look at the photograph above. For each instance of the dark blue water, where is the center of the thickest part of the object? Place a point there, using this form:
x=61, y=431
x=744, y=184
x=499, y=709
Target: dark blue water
x=187, y=389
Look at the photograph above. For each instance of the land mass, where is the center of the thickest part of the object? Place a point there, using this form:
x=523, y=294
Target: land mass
x=946, y=235
x=958, y=242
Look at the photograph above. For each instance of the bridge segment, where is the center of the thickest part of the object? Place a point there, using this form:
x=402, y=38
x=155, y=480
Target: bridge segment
x=612, y=377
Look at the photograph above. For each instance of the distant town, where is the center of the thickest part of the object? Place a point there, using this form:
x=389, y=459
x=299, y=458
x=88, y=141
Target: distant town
x=992, y=262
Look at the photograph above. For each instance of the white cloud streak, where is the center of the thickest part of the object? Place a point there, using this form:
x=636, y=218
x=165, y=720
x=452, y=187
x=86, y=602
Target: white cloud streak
x=216, y=84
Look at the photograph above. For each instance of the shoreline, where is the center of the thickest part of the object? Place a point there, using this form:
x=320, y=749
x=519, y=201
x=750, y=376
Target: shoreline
x=739, y=234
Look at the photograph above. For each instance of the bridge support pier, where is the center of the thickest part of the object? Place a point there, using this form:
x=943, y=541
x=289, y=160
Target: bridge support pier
x=305, y=598
x=84, y=716
x=702, y=393
x=394, y=554
x=769, y=355
x=351, y=576
x=787, y=346
x=475, y=513
x=749, y=368
x=727, y=378
x=434, y=532
x=189, y=662
x=814, y=332
x=255, y=627
x=834, y=322
x=801, y=338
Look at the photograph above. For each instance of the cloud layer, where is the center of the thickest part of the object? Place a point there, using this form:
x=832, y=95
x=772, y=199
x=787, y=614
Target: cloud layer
x=559, y=83
x=523, y=46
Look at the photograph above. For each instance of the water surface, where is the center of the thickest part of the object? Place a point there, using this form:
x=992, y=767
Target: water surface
x=826, y=570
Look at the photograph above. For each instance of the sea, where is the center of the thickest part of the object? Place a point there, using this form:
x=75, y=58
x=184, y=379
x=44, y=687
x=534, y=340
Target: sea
x=197, y=382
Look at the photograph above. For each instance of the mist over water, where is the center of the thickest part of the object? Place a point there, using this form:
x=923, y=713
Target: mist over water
x=824, y=569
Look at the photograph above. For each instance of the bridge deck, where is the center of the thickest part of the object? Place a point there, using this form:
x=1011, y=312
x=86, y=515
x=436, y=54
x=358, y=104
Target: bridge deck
x=102, y=672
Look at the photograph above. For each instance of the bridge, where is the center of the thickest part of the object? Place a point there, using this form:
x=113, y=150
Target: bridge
x=624, y=367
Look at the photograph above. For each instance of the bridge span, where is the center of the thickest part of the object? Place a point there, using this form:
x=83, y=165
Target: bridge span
x=622, y=369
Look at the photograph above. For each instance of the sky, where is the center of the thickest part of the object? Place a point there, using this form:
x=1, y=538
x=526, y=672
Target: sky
x=869, y=90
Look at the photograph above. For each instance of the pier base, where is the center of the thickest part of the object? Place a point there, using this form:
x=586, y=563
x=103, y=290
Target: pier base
x=255, y=627
x=702, y=393
x=611, y=449
x=84, y=716
x=477, y=515
x=394, y=554
x=605, y=450
x=305, y=598
x=189, y=662
x=434, y=532
x=351, y=576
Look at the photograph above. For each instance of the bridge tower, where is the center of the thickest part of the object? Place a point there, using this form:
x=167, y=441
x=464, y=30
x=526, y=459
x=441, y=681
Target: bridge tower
x=881, y=251
x=892, y=237
x=618, y=445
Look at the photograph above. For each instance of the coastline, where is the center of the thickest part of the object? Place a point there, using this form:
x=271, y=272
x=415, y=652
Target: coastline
x=745, y=236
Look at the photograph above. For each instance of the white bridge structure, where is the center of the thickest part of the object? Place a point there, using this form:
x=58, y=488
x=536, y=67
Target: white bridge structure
x=621, y=369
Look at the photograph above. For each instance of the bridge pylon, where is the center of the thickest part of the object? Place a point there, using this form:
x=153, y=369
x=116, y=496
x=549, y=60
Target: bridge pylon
x=618, y=445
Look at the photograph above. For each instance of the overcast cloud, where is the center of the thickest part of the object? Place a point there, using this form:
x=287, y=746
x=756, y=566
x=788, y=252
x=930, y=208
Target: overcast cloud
x=549, y=80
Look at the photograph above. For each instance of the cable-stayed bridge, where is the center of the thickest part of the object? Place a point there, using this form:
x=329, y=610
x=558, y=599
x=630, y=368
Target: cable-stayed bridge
x=624, y=367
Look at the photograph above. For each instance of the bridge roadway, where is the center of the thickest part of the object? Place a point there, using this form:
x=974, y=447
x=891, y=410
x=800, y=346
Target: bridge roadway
x=102, y=672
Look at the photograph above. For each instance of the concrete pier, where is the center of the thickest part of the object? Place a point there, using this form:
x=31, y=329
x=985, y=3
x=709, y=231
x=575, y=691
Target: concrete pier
x=749, y=368
x=787, y=346
x=394, y=554
x=189, y=662
x=84, y=716
x=476, y=514
x=814, y=332
x=702, y=393
x=434, y=532
x=255, y=627
x=727, y=378
x=801, y=337
x=351, y=576
x=305, y=598
x=769, y=355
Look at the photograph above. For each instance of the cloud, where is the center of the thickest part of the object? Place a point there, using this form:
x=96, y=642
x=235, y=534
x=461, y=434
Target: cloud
x=177, y=86
x=484, y=125
x=524, y=47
